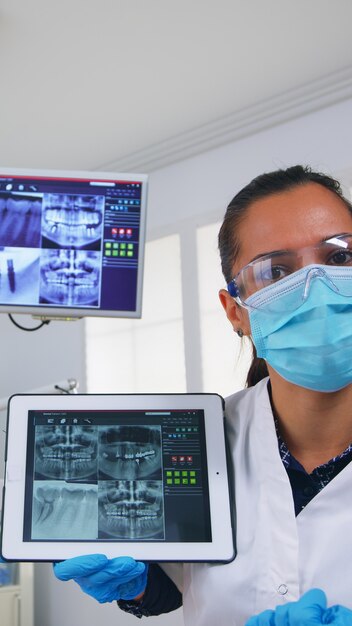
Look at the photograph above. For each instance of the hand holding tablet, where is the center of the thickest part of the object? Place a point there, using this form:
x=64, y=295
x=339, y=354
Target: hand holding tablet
x=141, y=476
x=106, y=580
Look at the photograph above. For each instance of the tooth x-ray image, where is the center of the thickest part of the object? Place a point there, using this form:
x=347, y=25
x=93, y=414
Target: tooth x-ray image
x=20, y=220
x=64, y=511
x=66, y=452
x=19, y=271
x=70, y=277
x=131, y=509
x=130, y=452
x=72, y=221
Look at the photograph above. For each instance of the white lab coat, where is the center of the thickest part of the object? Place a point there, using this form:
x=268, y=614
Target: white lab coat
x=279, y=556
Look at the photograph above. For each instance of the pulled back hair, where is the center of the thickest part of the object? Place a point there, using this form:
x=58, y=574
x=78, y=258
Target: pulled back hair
x=260, y=187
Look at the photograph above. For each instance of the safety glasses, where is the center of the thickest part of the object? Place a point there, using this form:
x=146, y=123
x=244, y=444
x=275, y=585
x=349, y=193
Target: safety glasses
x=269, y=269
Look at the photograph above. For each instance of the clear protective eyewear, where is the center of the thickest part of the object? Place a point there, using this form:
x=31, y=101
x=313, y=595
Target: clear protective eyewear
x=269, y=269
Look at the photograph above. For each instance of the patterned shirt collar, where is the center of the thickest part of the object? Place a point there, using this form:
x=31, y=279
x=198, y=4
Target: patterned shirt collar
x=321, y=474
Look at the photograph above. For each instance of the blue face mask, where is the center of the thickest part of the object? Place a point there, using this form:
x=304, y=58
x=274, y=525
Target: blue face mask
x=302, y=326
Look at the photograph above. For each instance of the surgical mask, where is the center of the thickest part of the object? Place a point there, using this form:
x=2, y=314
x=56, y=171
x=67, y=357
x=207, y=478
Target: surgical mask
x=302, y=326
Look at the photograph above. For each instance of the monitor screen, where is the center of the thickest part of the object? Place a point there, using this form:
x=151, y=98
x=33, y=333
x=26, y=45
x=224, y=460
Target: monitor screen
x=71, y=243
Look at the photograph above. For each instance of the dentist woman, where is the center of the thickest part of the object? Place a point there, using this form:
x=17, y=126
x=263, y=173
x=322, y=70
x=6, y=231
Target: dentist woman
x=286, y=252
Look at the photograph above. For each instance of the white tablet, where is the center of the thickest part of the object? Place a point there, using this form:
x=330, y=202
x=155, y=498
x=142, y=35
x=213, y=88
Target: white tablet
x=123, y=475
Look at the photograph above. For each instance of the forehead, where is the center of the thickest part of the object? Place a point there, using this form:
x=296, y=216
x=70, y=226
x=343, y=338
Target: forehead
x=296, y=218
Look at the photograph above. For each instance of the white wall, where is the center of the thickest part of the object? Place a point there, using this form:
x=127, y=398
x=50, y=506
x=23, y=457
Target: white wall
x=199, y=189
x=33, y=359
x=30, y=360
x=206, y=183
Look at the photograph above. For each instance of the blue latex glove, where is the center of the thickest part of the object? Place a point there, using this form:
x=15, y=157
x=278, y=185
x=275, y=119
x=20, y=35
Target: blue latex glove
x=338, y=616
x=310, y=610
x=105, y=579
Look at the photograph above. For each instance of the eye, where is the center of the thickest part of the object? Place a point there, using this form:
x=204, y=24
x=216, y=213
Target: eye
x=275, y=273
x=340, y=257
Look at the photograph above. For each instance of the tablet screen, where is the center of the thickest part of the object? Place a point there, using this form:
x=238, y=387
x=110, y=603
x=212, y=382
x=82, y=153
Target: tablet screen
x=140, y=475
x=126, y=475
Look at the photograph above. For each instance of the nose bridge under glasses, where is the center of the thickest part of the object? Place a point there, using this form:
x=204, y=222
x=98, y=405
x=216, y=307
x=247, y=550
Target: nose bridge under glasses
x=308, y=256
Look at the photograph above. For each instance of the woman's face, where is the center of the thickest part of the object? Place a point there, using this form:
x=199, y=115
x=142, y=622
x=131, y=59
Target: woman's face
x=303, y=216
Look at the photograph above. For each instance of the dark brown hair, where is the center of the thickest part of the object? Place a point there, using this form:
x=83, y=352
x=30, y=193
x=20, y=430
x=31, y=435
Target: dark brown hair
x=260, y=187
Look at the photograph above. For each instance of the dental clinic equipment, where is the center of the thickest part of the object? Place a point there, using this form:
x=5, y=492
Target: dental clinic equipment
x=71, y=243
x=67, y=386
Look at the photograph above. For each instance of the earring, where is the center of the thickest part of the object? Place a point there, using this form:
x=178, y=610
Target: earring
x=239, y=332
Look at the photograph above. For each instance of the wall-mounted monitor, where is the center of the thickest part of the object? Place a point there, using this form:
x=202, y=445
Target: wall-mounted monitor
x=71, y=243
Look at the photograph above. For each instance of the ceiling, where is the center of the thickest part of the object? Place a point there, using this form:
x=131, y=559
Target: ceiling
x=92, y=84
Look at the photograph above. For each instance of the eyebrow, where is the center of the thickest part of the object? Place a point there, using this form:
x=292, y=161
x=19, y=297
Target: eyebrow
x=271, y=253
x=288, y=250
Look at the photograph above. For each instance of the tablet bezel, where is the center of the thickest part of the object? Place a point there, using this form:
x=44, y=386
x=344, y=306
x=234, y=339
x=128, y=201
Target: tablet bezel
x=220, y=549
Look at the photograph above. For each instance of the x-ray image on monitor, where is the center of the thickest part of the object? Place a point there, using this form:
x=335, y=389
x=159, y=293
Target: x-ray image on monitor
x=19, y=271
x=72, y=221
x=131, y=509
x=70, y=277
x=20, y=220
x=64, y=511
x=130, y=452
x=66, y=452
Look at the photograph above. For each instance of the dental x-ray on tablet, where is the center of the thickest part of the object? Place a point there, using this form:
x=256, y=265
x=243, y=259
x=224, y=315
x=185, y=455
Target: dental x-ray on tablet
x=125, y=475
x=71, y=243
